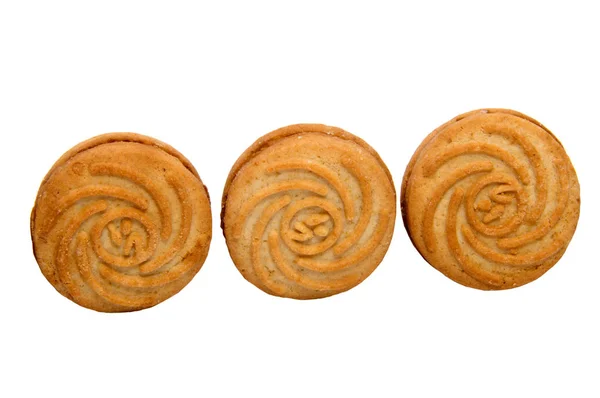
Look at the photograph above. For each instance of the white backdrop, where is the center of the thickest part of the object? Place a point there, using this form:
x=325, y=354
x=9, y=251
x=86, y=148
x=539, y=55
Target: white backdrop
x=209, y=80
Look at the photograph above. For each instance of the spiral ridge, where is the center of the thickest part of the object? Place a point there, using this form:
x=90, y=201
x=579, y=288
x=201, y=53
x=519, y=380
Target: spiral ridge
x=121, y=226
x=494, y=191
x=312, y=218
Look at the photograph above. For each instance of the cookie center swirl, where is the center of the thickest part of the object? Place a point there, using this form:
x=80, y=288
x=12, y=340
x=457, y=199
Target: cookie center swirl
x=298, y=235
x=122, y=239
x=502, y=185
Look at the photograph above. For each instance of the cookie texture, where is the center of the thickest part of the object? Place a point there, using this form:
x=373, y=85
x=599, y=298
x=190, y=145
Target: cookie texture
x=491, y=199
x=121, y=222
x=308, y=211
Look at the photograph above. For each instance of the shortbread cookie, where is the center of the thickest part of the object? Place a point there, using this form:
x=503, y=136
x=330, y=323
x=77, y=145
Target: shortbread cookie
x=308, y=211
x=121, y=223
x=491, y=199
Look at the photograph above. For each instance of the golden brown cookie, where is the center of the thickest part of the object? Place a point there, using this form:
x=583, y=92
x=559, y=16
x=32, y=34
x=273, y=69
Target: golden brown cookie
x=491, y=199
x=121, y=222
x=308, y=211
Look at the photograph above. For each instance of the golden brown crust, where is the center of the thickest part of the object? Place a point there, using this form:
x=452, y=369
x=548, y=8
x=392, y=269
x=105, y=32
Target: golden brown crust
x=272, y=137
x=121, y=222
x=308, y=211
x=490, y=199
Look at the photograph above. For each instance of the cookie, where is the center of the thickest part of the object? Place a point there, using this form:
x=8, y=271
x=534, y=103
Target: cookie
x=308, y=211
x=121, y=222
x=491, y=199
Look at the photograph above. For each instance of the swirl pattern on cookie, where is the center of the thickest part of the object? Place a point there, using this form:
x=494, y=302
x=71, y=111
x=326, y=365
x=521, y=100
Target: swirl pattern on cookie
x=308, y=211
x=491, y=199
x=121, y=223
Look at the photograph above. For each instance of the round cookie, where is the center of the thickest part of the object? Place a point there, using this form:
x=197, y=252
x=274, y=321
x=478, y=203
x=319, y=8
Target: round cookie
x=308, y=211
x=491, y=199
x=121, y=222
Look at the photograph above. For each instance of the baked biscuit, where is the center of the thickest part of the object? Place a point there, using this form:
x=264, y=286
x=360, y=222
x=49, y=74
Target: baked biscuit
x=308, y=211
x=491, y=199
x=121, y=222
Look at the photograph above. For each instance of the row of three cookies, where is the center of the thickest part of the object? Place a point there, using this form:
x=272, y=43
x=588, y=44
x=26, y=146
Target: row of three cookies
x=122, y=221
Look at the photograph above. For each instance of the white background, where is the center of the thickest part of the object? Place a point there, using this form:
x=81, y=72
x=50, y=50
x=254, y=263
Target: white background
x=209, y=80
